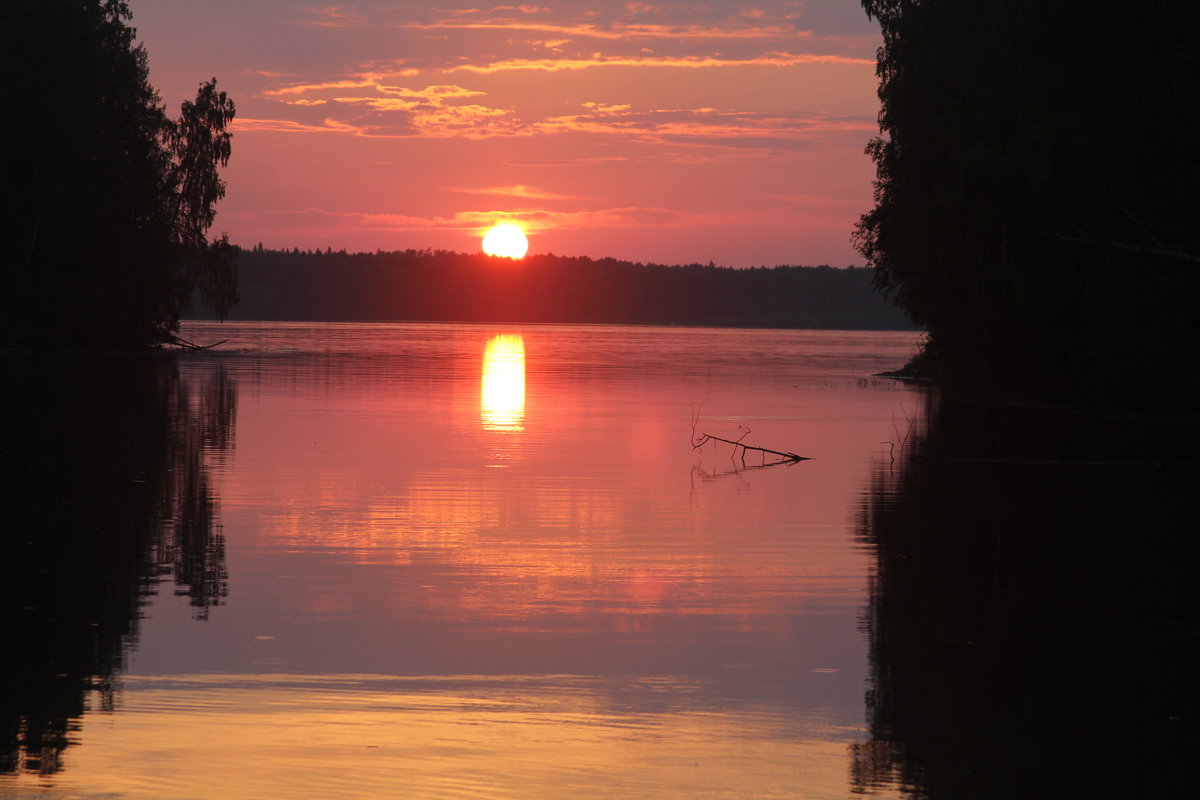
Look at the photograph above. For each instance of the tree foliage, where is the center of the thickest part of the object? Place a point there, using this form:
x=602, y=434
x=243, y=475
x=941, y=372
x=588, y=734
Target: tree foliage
x=106, y=201
x=1036, y=188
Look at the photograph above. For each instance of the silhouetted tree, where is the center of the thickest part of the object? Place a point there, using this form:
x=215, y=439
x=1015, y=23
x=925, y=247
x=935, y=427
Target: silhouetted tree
x=1036, y=189
x=105, y=202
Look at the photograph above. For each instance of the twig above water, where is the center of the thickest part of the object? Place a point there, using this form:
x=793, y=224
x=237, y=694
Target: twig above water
x=739, y=446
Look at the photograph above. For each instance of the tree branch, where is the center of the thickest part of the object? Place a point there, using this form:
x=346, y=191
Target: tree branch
x=1164, y=252
x=705, y=438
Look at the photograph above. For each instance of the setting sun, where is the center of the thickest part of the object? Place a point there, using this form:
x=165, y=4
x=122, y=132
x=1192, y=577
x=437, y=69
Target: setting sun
x=507, y=240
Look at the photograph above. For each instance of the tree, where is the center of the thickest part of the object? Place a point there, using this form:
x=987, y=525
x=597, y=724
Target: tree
x=106, y=202
x=1036, y=190
x=199, y=143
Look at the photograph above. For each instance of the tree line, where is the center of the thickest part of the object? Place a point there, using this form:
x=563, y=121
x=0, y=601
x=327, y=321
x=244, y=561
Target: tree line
x=438, y=285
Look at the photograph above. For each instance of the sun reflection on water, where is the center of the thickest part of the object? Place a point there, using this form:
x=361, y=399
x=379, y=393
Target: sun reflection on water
x=502, y=390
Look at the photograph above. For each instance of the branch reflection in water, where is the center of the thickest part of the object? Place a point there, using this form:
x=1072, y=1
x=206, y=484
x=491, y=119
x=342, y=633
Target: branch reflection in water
x=107, y=462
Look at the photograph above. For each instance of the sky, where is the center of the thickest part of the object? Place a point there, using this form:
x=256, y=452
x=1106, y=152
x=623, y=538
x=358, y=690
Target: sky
x=730, y=132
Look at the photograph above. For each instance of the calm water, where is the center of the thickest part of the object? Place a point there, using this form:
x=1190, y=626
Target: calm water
x=353, y=560
x=463, y=561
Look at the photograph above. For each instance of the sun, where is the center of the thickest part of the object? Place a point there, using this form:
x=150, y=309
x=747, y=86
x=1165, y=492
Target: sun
x=507, y=240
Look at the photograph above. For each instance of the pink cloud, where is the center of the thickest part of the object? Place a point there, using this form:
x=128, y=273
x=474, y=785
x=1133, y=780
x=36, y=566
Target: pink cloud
x=518, y=190
x=677, y=62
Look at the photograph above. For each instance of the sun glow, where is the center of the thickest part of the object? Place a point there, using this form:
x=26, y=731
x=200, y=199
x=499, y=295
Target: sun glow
x=507, y=240
x=502, y=395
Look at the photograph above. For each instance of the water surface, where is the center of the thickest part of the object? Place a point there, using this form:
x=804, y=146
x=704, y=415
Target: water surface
x=473, y=561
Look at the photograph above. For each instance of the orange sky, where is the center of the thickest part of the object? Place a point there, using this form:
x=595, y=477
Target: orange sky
x=676, y=133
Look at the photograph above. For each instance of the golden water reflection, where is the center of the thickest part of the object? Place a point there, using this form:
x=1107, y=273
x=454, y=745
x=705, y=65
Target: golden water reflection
x=449, y=736
x=502, y=390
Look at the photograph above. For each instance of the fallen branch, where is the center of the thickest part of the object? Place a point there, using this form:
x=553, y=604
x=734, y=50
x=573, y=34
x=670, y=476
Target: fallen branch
x=738, y=445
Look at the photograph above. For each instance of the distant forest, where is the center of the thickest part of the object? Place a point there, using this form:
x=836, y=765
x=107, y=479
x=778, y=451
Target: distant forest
x=437, y=285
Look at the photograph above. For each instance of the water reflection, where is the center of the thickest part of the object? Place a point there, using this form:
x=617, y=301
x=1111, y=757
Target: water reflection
x=1032, y=616
x=336, y=737
x=106, y=462
x=411, y=621
x=502, y=391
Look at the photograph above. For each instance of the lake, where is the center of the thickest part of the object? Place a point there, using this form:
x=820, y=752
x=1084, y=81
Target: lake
x=432, y=560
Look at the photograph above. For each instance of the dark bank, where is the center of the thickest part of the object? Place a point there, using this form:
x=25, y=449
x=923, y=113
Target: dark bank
x=1032, y=614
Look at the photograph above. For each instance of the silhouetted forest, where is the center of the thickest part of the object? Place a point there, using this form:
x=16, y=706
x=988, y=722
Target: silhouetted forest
x=447, y=286
x=1033, y=613
x=105, y=202
x=108, y=497
x=1036, y=196
x=1033, y=610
